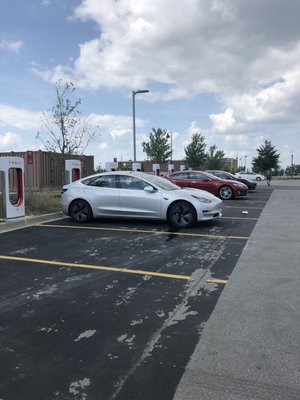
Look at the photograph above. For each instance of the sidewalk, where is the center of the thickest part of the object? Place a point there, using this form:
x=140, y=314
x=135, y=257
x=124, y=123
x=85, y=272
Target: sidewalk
x=250, y=346
x=23, y=222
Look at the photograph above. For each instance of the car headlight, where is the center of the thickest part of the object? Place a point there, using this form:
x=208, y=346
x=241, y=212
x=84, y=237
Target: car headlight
x=238, y=185
x=202, y=199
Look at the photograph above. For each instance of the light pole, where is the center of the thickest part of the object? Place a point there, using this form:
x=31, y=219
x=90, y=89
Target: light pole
x=169, y=136
x=245, y=162
x=134, y=92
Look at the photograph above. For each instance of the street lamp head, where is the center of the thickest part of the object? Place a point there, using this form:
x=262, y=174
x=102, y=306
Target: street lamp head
x=140, y=91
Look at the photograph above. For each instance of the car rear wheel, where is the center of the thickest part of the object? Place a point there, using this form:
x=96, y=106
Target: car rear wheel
x=182, y=215
x=226, y=193
x=258, y=178
x=80, y=211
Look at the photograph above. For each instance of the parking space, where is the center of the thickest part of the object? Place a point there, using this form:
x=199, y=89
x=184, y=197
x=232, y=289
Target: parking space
x=112, y=309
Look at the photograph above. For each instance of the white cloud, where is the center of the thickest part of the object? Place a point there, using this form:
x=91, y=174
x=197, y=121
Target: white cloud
x=222, y=122
x=242, y=140
x=245, y=53
x=103, y=146
x=11, y=45
x=19, y=118
x=8, y=141
x=225, y=47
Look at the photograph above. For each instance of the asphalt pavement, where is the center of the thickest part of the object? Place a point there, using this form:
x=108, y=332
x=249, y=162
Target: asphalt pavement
x=250, y=346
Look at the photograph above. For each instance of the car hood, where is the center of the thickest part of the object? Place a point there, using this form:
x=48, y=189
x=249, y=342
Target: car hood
x=197, y=192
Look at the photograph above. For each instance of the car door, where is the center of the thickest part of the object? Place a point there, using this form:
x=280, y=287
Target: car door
x=200, y=181
x=135, y=201
x=103, y=195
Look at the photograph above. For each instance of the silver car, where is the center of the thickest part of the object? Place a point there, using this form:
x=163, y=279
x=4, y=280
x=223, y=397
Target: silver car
x=137, y=195
x=250, y=175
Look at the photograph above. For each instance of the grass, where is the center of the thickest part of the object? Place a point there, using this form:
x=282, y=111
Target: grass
x=44, y=201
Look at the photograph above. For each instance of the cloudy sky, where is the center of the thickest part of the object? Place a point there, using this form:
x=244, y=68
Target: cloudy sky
x=229, y=69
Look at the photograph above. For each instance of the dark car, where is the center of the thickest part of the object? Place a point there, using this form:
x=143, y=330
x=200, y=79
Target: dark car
x=225, y=189
x=227, y=175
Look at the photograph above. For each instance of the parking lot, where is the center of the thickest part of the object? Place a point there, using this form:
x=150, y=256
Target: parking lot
x=112, y=309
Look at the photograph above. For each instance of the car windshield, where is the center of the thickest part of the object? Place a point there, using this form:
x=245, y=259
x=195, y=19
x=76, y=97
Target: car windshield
x=162, y=183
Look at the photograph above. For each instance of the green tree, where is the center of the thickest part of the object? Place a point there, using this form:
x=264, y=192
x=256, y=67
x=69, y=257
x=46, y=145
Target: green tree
x=292, y=170
x=195, y=156
x=215, y=159
x=64, y=130
x=99, y=169
x=158, y=148
x=267, y=158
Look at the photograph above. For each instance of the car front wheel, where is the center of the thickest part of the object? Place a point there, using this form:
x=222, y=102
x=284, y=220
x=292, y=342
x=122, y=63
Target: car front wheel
x=80, y=211
x=182, y=215
x=226, y=193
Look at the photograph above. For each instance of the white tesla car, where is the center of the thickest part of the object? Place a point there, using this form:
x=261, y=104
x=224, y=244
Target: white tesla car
x=137, y=195
x=250, y=175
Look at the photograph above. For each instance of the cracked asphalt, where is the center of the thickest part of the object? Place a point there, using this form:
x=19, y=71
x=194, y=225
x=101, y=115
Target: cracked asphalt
x=112, y=309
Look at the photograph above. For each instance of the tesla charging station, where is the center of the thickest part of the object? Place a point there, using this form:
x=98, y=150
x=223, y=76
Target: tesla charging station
x=73, y=170
x=170, y=168
x=156, y=169
x=111, y=166
x=9, y=165
x=136, y=167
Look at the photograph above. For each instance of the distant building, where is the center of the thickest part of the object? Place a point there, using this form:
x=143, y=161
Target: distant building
x=231, y=165
x=45, y=169
x=146, y=166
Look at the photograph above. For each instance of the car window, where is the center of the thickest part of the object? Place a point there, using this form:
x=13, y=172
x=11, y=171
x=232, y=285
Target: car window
x=132, y=183
x=180, y=175
x=105, y=181
x=161, y=183
x=220, y=175
x=196, y=175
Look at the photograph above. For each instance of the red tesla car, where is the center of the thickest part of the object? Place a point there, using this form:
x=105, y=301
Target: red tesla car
x=225, y=189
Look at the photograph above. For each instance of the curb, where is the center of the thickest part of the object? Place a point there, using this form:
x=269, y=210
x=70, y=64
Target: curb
x=8, y=225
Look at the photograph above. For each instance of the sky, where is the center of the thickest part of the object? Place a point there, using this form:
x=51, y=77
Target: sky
x=225, y=68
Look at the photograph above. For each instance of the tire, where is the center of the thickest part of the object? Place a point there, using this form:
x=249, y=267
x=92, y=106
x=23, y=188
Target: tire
x=80, y=211
x=182, y=215
x=258, y=179
x=226, y=193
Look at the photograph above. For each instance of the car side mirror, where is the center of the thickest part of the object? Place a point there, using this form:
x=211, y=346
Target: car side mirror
x=149, y=189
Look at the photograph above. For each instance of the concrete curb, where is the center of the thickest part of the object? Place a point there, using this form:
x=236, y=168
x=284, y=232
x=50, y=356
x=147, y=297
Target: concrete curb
x=24, y=222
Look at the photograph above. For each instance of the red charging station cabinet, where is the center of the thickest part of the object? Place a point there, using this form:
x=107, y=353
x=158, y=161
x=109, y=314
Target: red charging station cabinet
x=12, y=174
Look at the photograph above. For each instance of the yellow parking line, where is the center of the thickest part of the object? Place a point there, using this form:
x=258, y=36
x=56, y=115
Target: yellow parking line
x=217, y=281
x=145, y=231
x=103, y=268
